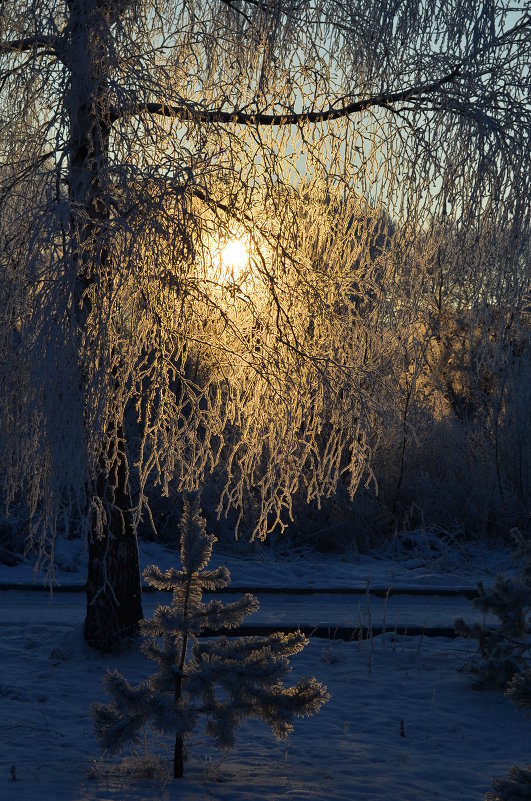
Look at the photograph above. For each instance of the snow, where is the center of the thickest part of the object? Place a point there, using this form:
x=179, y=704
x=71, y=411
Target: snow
x=417, y=565
x=455, y=739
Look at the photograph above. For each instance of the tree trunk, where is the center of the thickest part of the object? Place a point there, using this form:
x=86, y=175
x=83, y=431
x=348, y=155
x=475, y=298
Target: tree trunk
x=178, y=752
x=114, y=596
x=114, y=606
x=178, y=758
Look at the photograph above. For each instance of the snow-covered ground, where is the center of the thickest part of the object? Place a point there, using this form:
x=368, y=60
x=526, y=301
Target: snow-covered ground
x=418, y=559
x=455, y=739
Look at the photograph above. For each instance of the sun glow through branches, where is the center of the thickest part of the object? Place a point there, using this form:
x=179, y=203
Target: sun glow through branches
x=234, y=255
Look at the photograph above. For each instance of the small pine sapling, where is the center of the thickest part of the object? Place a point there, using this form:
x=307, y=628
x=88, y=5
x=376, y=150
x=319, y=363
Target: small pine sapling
x=224, y=680
x=503, y=649
x=517, y=785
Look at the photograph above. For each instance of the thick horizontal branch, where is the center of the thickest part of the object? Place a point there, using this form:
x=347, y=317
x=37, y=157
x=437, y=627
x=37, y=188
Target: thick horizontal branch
x=256, y=3
x=29, y=43
x=191, y=112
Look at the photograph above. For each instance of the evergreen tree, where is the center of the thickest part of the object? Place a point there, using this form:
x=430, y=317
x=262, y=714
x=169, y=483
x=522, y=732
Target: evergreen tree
x=224, y=680
x=517, y=785
x=503, y=650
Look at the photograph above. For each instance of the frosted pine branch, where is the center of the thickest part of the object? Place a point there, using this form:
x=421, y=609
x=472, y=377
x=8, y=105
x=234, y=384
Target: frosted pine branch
x=217, y=615
x=519, y=691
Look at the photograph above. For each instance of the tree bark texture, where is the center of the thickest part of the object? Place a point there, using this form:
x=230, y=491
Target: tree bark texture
x=114, y=603
x=114, y=606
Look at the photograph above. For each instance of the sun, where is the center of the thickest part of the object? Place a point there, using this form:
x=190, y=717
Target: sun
x=234, y=256
x=229, y=261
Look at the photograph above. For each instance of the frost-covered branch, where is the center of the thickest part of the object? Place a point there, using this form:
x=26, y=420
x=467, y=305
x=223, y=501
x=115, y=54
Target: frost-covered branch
x=35, y=44
x=195, y=112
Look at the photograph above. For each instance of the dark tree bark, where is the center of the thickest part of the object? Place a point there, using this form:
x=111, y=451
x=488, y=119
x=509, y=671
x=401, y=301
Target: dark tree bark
x=114, y=606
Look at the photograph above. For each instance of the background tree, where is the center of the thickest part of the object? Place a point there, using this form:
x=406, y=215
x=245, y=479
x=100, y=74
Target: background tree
x=458, y=366
x=150, y=132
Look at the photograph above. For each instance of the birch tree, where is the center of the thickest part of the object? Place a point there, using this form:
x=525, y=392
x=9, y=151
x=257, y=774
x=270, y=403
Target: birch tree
x=138, y=138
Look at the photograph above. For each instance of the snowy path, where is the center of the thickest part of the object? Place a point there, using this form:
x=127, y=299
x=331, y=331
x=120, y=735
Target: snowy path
x=309, y=611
